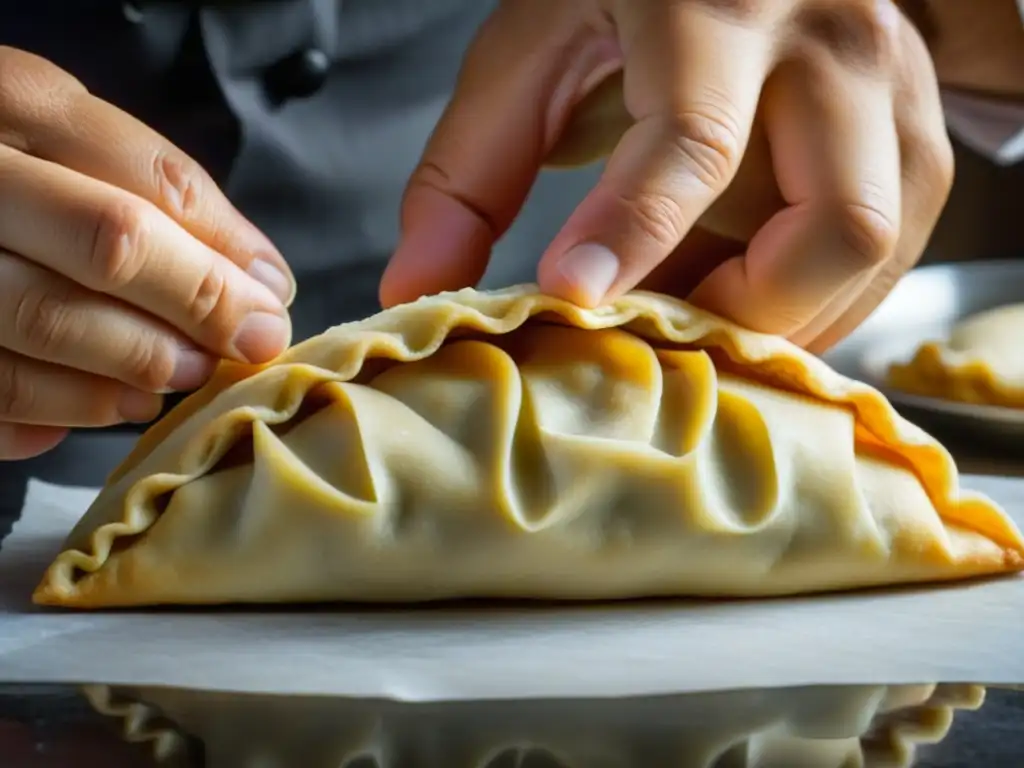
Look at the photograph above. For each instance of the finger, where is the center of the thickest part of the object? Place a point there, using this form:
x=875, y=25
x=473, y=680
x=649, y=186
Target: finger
x=694, y=108
x=695, y=258
x=600, y=119
x=40, y=393
x=47, y=317
x=927, y=163
x=64, y=124
x=26, y=441
x=836, y=157
x=118, y=244
x=516, y=88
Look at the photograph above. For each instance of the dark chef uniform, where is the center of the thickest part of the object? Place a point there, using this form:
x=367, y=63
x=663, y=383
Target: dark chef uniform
x=311, y=114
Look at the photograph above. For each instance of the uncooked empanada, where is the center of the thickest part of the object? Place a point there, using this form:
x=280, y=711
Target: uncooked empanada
x=981, y=362
x=510, y=444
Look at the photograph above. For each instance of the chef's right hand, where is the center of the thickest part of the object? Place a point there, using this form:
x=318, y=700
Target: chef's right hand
x=125, y=272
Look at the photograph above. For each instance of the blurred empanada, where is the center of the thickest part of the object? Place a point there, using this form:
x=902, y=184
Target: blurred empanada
x=982, y=362
x=509, y=444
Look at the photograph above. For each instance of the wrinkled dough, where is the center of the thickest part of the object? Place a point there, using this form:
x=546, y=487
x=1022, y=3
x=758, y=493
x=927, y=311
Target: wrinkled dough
x=613, y=463
x=508, y=444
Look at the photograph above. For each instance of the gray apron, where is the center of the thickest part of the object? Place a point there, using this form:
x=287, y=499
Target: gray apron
x=311, y=114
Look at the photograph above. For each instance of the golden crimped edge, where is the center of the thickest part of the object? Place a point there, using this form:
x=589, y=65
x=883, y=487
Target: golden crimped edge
x=417, y=330
x=929, y=374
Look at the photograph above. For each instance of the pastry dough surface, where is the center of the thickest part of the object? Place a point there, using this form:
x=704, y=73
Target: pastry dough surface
x=982, y=362
x=508, y=444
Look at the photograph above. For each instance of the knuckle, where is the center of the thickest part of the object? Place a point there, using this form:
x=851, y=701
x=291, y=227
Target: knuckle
x=709, y=145
x=209, y=305
x=17, y=390
x=23, y=74
x=858, y=33
x=929, y=169
x=180, y=182
x=149, y=364
x=872, y=29
x=867, y=232
x=431, y=176
x=32, y=90
x=42, y=318
x=118, y=238
x=659, y=217
x=428, y=175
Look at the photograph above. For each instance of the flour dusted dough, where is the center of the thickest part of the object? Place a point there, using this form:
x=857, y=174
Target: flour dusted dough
x=982, y=362
x=509, y=444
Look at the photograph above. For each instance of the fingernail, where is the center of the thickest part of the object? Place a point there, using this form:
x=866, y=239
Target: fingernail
x=138, y=406
x=262, y=336
x=590, y=270
x=191, y=370
x=267, y=273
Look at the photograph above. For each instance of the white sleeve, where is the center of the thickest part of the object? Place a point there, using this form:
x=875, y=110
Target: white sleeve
x=992, y=128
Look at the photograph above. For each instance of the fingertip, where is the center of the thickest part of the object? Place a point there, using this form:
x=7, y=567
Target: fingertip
x=261, y=337
x=583, y=275
x=26, y=441
x=275, y=276
x=138, y=407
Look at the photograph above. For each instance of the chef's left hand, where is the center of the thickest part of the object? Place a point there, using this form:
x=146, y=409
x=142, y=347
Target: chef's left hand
x=808, y=132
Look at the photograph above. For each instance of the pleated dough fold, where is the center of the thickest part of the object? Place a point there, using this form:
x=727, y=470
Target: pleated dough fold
x=509, y=444
x=982, y=362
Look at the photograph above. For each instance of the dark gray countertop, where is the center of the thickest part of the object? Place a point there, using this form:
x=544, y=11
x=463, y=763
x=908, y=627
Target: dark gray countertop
x=56, y=727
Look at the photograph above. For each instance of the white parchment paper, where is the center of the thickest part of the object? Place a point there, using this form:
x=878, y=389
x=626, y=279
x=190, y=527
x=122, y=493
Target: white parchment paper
x=964, y=633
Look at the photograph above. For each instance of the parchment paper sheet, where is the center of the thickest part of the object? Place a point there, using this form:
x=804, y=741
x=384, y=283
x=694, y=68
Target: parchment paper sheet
x=968, y=633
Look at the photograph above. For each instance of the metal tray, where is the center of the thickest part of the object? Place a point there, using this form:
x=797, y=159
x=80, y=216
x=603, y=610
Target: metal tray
x=923, y=306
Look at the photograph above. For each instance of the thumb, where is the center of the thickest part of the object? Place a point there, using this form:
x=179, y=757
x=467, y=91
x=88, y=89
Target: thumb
x=517, y=83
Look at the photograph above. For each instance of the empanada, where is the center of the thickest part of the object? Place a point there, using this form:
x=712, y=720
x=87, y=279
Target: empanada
x=982, y=362
x=512, y=445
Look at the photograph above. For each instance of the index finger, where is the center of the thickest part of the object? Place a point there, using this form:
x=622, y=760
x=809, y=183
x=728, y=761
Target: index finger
x=66, y=125
x=514, y=91
x=693, y=76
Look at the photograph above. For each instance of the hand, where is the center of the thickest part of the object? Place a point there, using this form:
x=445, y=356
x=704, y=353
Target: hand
x=806, y=137
x=123, y=269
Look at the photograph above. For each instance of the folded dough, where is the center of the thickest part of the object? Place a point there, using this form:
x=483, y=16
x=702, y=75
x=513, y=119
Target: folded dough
x=981, y=362
x=510, y=444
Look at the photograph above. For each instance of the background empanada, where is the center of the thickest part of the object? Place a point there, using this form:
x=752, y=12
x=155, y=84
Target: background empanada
x=982, y=362
x=509, y=444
